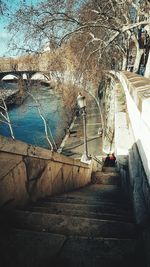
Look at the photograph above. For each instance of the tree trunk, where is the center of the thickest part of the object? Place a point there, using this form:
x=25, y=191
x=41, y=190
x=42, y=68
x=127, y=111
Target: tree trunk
x=124, y=63
x=147, y=69
x=139, y=54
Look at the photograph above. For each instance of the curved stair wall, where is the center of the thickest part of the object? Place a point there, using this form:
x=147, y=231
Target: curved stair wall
x=28, y=173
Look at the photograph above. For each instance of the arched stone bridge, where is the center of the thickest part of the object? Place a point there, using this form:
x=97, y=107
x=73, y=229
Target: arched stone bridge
x=28, y=74
x=25, y=67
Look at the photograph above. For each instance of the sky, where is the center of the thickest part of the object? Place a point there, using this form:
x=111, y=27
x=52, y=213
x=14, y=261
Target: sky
x=4, y=34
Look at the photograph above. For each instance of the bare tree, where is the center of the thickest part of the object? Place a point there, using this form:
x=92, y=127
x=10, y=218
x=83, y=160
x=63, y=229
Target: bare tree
x=45, y=123
x=3, y=7
x=99, y=25
x=4, y=115
x=94, y=36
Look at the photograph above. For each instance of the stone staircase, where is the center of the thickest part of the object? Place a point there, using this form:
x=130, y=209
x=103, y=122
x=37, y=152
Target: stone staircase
x=89, y=227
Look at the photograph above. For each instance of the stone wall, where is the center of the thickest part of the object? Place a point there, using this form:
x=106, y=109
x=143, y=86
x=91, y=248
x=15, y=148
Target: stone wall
x=132, y=147
x=132, y=143
x=137, y=91
x=108, y=109
x=28, y=173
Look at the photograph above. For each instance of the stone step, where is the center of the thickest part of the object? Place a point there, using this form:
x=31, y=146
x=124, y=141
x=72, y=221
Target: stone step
x=98, y=252
x=23, y=248
x=71, y=225
x=100, y=207
x=27, y=249
x=102, y=193
x=106, y=178
x=77, y=199
x=70, y=211
x=109, y=169
x=93, y=194
x=97, y=189
x=94, y=188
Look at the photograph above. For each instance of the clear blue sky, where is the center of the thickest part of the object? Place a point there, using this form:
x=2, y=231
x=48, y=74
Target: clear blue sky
x=4, y=34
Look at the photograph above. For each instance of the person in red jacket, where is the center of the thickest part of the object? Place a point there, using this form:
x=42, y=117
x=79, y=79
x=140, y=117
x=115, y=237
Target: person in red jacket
x=112, y=159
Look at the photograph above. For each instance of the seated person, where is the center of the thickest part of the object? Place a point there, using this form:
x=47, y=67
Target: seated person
x=112, y=159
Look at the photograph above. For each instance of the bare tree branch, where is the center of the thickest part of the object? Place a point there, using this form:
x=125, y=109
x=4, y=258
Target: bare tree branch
x=44, y=120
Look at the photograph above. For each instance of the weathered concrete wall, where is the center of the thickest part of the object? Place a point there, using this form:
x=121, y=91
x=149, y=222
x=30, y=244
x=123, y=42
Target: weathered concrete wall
x=28, y=173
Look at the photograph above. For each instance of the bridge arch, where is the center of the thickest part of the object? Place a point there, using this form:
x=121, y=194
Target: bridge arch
x=10, y=77
x=40, y=76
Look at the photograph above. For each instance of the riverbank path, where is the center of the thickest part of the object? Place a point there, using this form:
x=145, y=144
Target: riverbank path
x=73, y=143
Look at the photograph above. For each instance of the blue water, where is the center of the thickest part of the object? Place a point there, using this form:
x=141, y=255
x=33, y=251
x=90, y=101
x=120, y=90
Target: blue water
x=27, y=124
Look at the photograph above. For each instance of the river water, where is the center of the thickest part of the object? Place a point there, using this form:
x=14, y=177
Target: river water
x=26, y=122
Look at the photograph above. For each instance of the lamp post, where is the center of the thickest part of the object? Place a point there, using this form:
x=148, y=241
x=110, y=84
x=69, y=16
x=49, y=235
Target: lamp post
x=82, y=105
